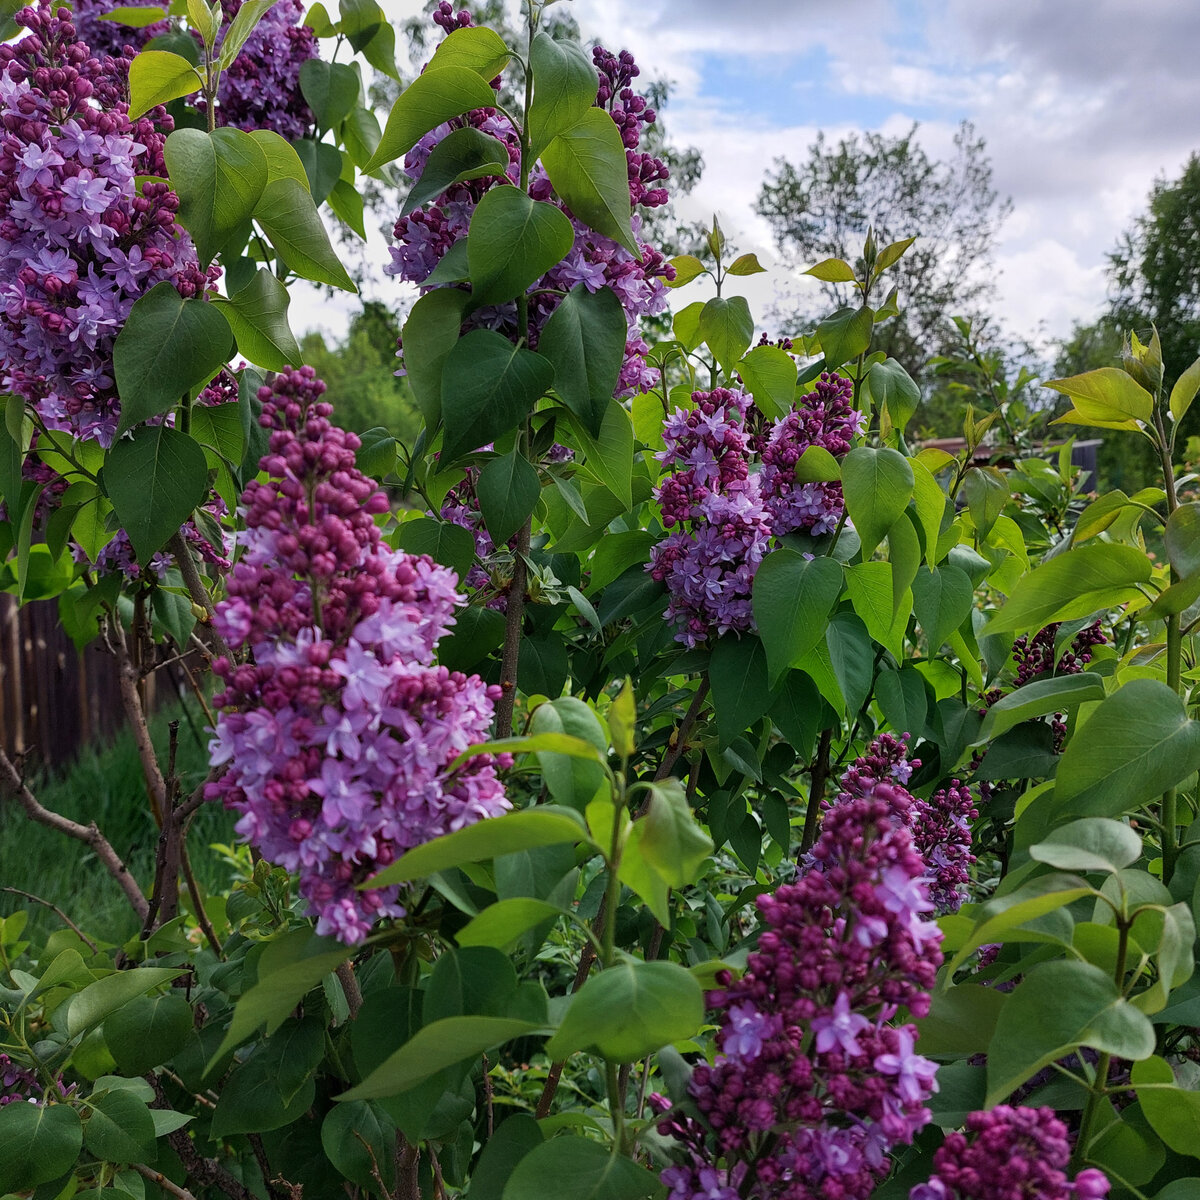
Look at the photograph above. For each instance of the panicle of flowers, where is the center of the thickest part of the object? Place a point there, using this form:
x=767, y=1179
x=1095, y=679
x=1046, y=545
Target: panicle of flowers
x=20, y=1085
x=1009, y=1153
x=940, y=826
x=708, y=562
x=1036, y=656
x=823, y=417
x=422, y=237
x=79, y=241
x=813, y=1085
x=111, y=37
x=260, y=89
x=338, y=734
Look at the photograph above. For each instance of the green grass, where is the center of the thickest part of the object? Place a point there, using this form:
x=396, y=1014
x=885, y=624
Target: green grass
x=104, y=786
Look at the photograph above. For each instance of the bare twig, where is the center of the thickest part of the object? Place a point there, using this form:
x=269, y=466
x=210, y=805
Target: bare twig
x=818, y=778
x=83, y=937
x=135, y=714
x=172, y=1189
x=89, y=834
x=197, y=900
x=513, y=619
x=198, y=797
x=353, y=993
x=678, y=743
x=184, y=560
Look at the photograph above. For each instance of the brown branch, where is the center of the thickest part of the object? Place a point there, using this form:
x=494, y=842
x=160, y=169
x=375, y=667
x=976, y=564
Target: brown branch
x=182, y=553
x=83, y=937
x=816, y=791
x=135, y=714
x=513, y=620
x=172, y=1189
x=89, y=834
x=197, y=798
x=678, y=743
x=350, y=989
x=408, y=1158
x=193, y=888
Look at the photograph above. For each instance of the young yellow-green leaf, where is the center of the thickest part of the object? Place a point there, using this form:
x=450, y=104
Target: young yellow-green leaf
x=1107, y=395
x=687, y=267
x=587, y=166
x=135, y=18
x=282, y=160
x=241, y=27
x=832, y=270
x=817, y=465
x=436, y=95
x=745, y=264
x=1184, y=391
x=890, y=255
x=158, y=76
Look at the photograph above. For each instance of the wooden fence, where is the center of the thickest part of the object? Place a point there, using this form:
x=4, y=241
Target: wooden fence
x=54, y=700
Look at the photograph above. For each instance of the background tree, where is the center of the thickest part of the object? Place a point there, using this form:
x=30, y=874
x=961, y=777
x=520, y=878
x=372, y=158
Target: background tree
x=823, y=206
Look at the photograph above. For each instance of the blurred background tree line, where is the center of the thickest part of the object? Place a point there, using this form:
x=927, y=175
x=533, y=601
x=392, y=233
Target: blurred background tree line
x=946, y=333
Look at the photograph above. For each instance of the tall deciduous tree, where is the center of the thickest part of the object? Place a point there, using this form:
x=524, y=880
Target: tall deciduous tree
x=822, y=207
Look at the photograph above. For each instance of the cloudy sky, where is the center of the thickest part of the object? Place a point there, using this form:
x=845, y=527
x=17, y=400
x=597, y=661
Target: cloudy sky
x=1082, y=104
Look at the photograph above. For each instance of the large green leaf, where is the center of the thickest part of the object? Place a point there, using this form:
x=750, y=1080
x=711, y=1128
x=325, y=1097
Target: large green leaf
x=359, y=1139
x=1078, y=583
x=158, y=76
x=877, y=485
x=893, y=390
x=502, y=924
x=584, y=339
x=436, y=95
x=1106, y=397
x=289, y=218
x=442, y=540
x=462, y=154
x=331, y=90
x=1039, y=699
x=241, y=27
x=167, y=346
x=508, y=488
x=322, y=164
x=581, y=1170
x=727, y=328
x=474, y=47
x=524, y=830
x=587, y=166
x=430, y=333
x=1058, y=1007
x=740, y=686
x=154, y=479
x=1173, y=1112
x=489, y=386
x=258, y=317
x=942, y=599
x=513, y=240
x=609, y=455
x=120, y=1128
x=630, y=1010
x=220, y=177
x=1182, y=539
x=38, y=1143
x=564, y=89
x=572, y=779
x=845, y=335
x=770, y=376
x=1090, y=844
x=436, y=1046
x=1137, y=744
x=147, y=1031
x=793, y=597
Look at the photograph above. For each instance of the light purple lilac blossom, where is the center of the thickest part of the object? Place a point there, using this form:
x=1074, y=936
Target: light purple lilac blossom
x=814, y=1086
x=80, y=242
x=338, y=733
x=422, y=238
x=1009, y=1154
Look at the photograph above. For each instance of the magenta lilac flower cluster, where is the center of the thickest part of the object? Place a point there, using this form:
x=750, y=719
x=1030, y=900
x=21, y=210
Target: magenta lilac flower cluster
x=337, y=733
x=814, y=1085
x=112, y=37
x=727, y=511
x=708, y=562
x=422, y=238
x=80, y=242
x=260, y=89
x=1009, y=1154
x=940, y=826
x=20, y=1085
x=825, y=417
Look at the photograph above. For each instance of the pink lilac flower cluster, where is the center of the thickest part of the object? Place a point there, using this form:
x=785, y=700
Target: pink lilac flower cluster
x=337, y=734
x=260, y=89
x=708, y=563
x=112, y=37
x=826, y=417
x=1009, y=1154
x=813, y=1084
x=19, y=1085
x=726, y=512
x=80, y=242
x=940, y=826
x=422, y=238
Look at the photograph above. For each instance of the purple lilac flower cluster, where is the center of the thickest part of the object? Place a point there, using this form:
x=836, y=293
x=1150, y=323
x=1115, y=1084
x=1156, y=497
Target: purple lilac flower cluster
x=940, y=826
x=708, y=562
x=1009, y=1154
x=422, y=238
x=80, y=242
x=19, y=1085
x=260, y=89
x=111, y=37
x=813, y=1084
x=727, y=513
x=337, y=733
x=826, y=418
